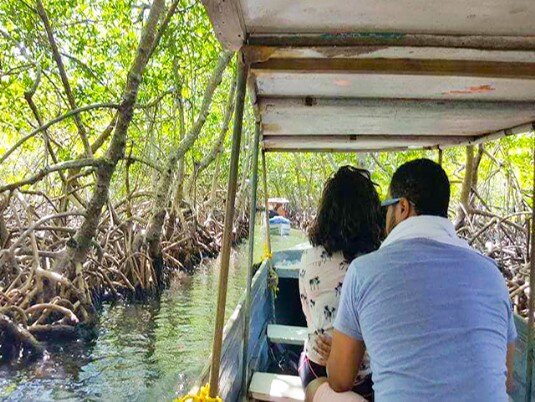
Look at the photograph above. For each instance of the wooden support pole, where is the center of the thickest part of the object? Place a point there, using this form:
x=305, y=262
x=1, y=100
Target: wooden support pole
x=440, y=156
x=266, y=204
x=250, y=262
x=227, y=231
x=531, y=306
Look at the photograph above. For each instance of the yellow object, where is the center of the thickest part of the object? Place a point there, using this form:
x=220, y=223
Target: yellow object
x=202, y=396
x=267, y=253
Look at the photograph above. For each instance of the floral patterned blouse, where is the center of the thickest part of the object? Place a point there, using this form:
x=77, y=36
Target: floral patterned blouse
x=320, y=284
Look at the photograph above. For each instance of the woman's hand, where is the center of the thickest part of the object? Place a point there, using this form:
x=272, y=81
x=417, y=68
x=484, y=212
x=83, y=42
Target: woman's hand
x=323, y=348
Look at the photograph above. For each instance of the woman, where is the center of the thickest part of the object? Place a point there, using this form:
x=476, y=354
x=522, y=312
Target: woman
x=347, y=224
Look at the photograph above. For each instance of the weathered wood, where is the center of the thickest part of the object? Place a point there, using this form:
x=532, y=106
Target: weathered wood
x=340, y=39
x=326, y=149
x=457, y=68
x=276, y=387
x=315, y=122
x=287, y=271
x=521, y=129
x=531, y=304
x=393, y=86
x=384, y=18
x=261, y=313
x=266, y=204
x=227, y=232
x=227, y=22
x=250, y=256
x=256, y=53
x=355, y=142
x=287, y=334
x=520, y=363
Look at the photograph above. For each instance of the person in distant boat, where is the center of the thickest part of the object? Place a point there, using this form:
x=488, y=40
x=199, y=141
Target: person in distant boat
x=278, y=210
x=347, y=224
x=434, y=314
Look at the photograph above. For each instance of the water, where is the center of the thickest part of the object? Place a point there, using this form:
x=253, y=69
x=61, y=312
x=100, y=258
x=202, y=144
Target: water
x=144, y=352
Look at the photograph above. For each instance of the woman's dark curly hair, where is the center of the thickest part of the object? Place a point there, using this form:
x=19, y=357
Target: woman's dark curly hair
x=349, y=214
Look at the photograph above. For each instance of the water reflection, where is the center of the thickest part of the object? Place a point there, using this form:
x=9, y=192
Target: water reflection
x=144, y=352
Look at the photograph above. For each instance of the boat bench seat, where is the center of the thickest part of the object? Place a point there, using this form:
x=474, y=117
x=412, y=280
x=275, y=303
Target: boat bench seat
x=288, y=271
x=276, y=387
x=287, y=334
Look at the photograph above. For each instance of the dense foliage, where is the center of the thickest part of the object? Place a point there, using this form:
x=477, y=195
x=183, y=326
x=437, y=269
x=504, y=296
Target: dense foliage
x=114, y=155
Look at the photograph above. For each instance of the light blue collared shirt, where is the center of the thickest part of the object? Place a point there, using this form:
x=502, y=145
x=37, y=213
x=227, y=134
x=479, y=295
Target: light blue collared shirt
x=436, y=320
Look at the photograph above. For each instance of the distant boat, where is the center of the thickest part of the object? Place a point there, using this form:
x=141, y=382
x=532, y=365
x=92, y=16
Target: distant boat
x=279, y=225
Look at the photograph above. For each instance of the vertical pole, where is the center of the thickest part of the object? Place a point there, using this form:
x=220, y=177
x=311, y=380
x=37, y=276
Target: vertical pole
x=266, y=204
x=440, y=156
x=227, y=230
x=531, y=306
x=252, y=221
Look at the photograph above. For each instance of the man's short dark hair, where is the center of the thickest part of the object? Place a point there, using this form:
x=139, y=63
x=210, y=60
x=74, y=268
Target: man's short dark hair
x=425, y=184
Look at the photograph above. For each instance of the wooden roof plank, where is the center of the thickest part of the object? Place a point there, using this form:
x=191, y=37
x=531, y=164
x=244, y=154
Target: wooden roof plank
x=227, y=22
x=318, y=116
x=386, y=17
x=255, y=54
x=456, y=68
x=335, y=39
x=395, y=86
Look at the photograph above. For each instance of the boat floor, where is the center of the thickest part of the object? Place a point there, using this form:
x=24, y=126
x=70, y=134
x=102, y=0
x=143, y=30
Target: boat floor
x=279, y=387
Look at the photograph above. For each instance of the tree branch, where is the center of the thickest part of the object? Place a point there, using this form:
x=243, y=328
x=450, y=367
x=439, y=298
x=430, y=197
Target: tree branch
x=39, y=223
x=57, y=57
x=79, y=163
x=57, y=120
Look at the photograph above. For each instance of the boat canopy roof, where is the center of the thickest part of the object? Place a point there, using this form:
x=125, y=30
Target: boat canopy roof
x=383, y=75
x=278, y=200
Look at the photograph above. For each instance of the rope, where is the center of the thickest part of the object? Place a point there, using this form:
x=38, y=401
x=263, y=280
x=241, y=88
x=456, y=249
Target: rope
x=203, y=395
x=273, y=278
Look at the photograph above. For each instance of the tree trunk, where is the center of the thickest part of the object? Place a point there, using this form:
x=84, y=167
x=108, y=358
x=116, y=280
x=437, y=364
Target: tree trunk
x=218, y=145
x=77, y=252
x=160, y=202
x=464, y=203
x=4, y=234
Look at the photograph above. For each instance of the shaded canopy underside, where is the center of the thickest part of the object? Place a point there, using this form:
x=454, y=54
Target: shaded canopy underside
x=370, y=75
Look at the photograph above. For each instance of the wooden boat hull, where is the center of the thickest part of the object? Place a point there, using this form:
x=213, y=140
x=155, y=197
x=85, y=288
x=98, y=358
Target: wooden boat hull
x=521, y=361
x=230, y=377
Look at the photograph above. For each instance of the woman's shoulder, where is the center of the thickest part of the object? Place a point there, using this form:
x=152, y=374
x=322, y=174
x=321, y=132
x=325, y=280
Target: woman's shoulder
x=319, y=257
x=313, y=253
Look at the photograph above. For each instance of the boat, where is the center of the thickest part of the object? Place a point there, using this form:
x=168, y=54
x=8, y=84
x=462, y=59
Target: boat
x=279, y=225
x=331, y=77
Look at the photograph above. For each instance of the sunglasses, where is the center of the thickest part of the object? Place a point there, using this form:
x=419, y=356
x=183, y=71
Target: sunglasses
x=394, y=201
x=390, y=201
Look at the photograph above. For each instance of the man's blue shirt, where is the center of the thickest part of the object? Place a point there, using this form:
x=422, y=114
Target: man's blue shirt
x=436, y=320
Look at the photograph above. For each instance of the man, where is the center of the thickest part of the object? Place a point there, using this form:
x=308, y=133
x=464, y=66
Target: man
x=435, y=315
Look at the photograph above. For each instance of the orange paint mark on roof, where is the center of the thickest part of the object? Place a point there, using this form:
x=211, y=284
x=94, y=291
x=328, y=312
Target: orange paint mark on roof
x=480, y=89
x=342, y=83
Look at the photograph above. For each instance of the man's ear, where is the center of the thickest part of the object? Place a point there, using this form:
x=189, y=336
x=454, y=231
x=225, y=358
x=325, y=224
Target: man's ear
x=405, y=209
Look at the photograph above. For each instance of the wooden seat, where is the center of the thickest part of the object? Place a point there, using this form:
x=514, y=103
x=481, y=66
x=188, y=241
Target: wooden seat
x=288, y=271
x=276, y=387
x=287, y=334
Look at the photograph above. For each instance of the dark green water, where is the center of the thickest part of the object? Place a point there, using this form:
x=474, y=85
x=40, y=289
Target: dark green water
x=144, y=352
